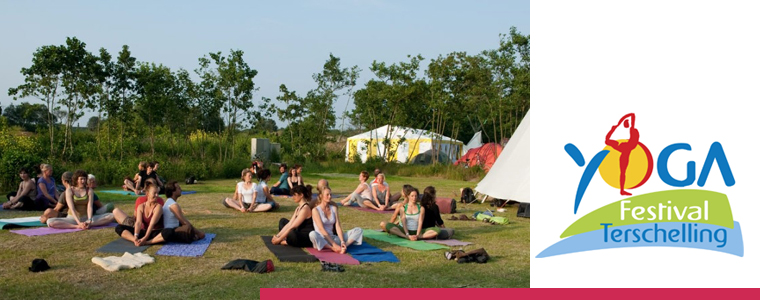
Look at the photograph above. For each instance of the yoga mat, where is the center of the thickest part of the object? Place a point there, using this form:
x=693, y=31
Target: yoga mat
x=133, y=194
x=416, y=245
x=332, y=257
x=377, y=257
x=48, y=230
x=288, y=253
x=21, y=222
x=364, y=248
x=373, y=210
x=116, y=192
x=449, y=242
x=368, y=253
x=121, y=246
x=194, y=249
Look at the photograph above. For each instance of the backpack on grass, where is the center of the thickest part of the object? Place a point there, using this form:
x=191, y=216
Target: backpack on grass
x=468, y=196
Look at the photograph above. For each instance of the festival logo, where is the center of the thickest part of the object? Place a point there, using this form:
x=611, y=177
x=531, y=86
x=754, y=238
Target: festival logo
x=681, y=217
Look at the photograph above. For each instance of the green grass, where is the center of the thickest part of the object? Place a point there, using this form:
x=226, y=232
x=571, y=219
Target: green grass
x=73, y=275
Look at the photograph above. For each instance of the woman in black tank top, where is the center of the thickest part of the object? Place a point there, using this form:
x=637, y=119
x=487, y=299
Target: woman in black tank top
x=295, y=232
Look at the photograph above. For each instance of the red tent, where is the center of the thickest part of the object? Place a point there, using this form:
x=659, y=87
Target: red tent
x=483, y=156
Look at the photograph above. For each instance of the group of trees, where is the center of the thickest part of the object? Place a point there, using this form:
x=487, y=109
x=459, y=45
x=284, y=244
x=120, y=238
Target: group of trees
x=134, y=99
x=148, y=109
x=456, y=96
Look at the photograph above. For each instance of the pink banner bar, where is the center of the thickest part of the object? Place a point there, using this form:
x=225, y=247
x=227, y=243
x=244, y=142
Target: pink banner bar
x=411, y=293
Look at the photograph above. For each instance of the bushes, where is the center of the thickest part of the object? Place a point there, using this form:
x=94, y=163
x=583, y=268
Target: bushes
x=16, y=151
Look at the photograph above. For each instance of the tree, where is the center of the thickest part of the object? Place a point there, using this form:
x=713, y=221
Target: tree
x=92, y=123
x=154, y=89
x=120, y=108
x=26, y=115
x=104, y=76
x=394, y=99
x=80, y=84
x=511, y=67
x=42, y=80
x=229, y=82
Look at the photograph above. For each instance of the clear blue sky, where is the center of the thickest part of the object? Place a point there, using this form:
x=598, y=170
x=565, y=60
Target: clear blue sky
x=286, y=41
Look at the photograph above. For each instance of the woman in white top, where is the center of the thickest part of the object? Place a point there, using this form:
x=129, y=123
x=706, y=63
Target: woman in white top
x=363, y=192
x=327, y=224
x=381, y=192
x=244, y=190
x=176, y=227
x=262, y=198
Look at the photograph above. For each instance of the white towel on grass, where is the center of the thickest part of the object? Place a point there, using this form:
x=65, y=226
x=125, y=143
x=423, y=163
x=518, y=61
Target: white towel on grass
x=127, y=261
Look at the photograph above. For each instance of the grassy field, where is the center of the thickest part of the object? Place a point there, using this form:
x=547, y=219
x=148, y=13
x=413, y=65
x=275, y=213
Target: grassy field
x=73, y=275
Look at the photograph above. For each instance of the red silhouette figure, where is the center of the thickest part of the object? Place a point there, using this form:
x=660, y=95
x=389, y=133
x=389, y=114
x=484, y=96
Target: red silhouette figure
x=624, y=148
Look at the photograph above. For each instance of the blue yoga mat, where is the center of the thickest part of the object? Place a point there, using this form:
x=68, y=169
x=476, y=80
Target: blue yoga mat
x=378, y=257
x=194, y=249
x=368, y=253
x=364, y=248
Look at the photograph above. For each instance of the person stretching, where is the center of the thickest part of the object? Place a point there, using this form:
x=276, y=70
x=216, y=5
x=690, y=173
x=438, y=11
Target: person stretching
x=411, y=221
x=176, y=227
x=327, y=227
x=79, y=200
x=295, y=232
x=148, y=223
x=363, y=192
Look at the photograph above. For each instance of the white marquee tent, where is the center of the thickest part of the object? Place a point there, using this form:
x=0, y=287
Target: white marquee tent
x=405, y=144
x=509, y=178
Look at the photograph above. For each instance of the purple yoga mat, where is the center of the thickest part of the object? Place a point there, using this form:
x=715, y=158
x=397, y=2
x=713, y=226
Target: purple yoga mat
x=48, y=230
x=450, y=243
x=373, y=210
x=332, y=257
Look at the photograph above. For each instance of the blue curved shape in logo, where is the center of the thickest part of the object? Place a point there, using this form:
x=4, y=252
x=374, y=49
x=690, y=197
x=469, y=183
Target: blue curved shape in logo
x=672, y=235
x=588, y=173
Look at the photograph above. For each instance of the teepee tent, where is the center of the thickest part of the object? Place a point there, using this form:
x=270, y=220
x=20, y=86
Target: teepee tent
x=405, y=144
x=509, y=178
x=475, y=142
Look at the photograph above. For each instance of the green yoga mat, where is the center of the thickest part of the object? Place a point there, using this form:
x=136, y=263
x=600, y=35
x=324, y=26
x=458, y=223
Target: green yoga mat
x=416, y=245
x=21, y=222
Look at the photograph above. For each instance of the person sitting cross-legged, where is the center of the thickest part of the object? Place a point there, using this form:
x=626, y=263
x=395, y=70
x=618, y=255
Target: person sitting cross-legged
x=327, y=228
x=79, y=200
x=176, y=227
x=295, y=232
x=410, y=226
x=148, y=222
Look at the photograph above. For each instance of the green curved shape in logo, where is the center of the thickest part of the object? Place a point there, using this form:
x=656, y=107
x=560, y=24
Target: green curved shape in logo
x=693, y=206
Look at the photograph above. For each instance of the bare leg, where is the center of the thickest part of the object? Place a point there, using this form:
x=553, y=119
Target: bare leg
x=103, y=221
x=263, y=207
x=398, y=232
x=130, y=186
x=232, y=203
x=382, y=225
x=128, y=236
x=371, y=204
x=430, y=234
x=119, y=215
x=62, y=225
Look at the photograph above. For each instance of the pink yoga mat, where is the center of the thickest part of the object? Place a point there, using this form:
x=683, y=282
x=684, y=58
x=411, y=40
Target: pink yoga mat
x=48, y=230
x=373, y=210
x=332, y=257
x=451, y=242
